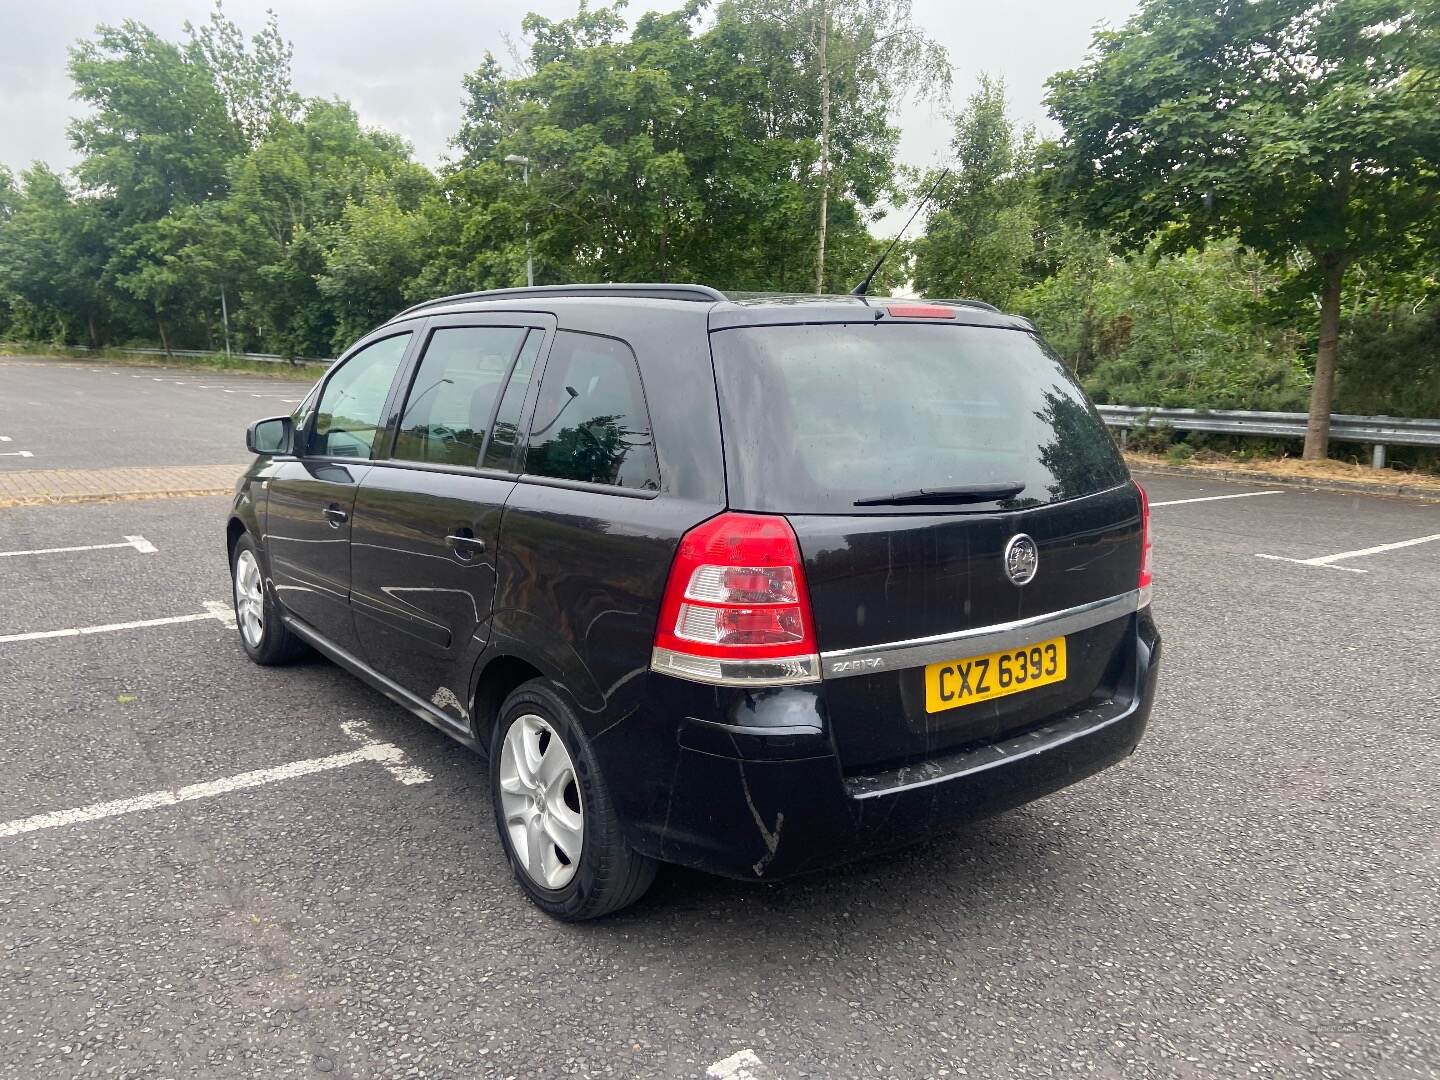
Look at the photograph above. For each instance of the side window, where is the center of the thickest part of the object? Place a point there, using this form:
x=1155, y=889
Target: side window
x=500, y=454
x=590, y=421
x=453, y=394
x=348, y=417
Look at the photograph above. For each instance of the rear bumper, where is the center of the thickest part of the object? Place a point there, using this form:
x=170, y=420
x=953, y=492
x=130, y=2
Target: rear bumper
x=767, y=798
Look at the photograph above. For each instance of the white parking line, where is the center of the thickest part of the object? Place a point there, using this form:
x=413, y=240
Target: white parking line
x=216, y=609
x=1214, y=498
x=1329, y=561
x=370, y=749
x=17, y=453
x=742, y=1065
x=222, y=610
x=359, y=730
x=4, y=438
x=139, y=543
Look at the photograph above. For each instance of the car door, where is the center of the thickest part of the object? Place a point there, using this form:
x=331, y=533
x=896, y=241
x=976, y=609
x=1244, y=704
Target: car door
x=587, y=542
x=426, y=519
x=310, y=497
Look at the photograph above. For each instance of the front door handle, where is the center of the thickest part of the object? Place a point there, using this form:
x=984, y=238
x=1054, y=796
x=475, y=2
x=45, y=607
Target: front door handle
x=465, y=544
x=336, y=516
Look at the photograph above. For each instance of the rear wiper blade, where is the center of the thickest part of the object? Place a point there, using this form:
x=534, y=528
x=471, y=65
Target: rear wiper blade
x=970, y=493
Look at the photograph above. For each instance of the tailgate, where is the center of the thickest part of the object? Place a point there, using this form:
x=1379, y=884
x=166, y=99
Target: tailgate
x=892, y=597
x=910, y=459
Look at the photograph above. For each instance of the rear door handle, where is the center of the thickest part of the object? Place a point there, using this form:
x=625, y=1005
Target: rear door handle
x=336, y=516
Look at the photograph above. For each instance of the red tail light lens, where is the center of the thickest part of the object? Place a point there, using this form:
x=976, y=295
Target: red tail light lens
x=736, y=608
x=1145, y=549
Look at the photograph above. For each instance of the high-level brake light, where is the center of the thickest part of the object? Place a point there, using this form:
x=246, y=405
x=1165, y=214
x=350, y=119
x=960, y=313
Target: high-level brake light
x=920, y=311
x=736, y=610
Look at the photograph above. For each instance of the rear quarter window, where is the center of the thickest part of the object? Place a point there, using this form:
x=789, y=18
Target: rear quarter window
x=590, y=422
x=817, y=417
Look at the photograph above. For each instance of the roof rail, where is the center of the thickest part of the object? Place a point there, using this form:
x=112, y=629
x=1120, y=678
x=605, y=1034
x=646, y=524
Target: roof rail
x=648, y=291
x=981, y=304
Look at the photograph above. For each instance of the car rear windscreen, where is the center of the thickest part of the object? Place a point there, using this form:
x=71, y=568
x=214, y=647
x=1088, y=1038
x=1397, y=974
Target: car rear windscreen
x=819, y=417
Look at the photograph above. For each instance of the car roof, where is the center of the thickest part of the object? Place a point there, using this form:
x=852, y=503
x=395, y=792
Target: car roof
x=738, y=309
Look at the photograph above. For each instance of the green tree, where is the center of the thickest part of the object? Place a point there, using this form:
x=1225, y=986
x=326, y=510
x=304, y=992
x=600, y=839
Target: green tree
x=674, y=152
x=270, y=237
x=979, y=240
x=159, y=133
x=9, y=201
x=373, y=253
x=53, y=251
x=253, y=79
x=845, y=65
x=1302, y=126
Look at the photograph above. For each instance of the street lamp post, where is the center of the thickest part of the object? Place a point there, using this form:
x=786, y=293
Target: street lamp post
x=524, y=163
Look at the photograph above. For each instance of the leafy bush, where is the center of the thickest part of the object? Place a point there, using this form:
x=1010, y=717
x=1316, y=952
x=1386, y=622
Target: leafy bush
x=1180, y=453
x=1390, y=363
x=1174, y=331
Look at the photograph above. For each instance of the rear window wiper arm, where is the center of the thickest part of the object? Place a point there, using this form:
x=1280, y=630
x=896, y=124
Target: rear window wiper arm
x=970, y=493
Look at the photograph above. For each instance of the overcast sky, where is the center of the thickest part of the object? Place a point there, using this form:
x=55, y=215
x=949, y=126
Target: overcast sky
x=400, y=63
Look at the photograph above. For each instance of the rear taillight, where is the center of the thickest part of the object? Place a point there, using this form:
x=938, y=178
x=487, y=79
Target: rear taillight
x=1144, y=583
x=736, y=611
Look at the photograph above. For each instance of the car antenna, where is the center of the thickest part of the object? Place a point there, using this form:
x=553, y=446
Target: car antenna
x=864, y=286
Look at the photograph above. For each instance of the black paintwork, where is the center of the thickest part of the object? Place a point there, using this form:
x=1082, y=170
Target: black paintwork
x=901, y=577
x=307, y=541
x=566, y=578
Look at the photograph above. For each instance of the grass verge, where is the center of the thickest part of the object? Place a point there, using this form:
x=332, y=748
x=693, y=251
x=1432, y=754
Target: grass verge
x=1294, y=470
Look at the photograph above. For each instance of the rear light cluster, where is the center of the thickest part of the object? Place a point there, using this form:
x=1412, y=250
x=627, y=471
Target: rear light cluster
x=736, y=611
x=1144, y=583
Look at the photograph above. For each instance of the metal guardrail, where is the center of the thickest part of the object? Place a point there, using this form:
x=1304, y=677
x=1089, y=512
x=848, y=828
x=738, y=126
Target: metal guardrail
x=1379, y=431
x=263, y=358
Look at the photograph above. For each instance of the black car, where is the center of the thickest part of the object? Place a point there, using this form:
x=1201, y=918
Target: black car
x=751, y=585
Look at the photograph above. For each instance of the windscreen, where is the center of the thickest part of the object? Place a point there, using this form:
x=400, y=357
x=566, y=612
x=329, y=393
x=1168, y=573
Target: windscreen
x=817, y=418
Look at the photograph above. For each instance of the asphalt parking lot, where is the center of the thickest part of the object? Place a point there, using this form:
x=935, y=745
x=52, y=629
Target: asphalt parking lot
x=208, y=868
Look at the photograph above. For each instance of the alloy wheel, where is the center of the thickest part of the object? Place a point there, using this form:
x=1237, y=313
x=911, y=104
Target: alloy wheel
x=540, y=796
x=249, y=599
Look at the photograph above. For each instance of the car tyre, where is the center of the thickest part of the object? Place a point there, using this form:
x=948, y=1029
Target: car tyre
x=557, y=822
x=263, y=634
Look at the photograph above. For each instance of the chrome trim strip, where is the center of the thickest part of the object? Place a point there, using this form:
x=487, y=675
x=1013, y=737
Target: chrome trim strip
x=896, y=655
x=786, y=671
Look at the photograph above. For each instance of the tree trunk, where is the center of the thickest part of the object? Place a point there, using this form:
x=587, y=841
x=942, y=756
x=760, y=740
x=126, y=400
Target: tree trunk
x=1322, y=393
x=90, y=322
x=164, y=337
x=824, y=58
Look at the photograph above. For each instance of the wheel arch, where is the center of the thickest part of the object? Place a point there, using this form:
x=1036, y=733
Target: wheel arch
x=234, y=529
x=496, y=679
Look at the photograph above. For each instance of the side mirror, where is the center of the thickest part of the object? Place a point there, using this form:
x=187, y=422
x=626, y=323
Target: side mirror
x=271, y=436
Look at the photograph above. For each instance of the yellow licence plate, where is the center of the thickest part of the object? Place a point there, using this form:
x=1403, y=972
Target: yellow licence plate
x=953, y=683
